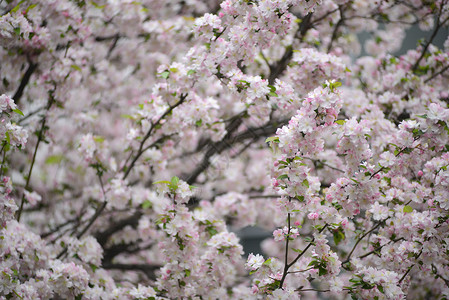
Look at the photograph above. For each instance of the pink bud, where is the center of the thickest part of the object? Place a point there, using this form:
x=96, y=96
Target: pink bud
x=420, y=173
x=313, y=216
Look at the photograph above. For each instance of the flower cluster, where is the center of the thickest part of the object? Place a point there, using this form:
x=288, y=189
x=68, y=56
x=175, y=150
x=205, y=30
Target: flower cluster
x=139, y=137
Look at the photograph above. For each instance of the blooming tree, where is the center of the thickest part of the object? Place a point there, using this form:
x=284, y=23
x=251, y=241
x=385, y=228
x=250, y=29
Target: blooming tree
x=135, y=135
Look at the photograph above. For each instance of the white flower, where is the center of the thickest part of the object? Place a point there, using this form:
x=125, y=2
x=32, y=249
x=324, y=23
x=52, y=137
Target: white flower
x=254, y=261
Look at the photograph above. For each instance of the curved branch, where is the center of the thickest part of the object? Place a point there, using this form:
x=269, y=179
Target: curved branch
x=147, y=136
x=24, y=82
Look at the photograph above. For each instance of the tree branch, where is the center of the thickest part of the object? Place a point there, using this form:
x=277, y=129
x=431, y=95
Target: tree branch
x=23, y=83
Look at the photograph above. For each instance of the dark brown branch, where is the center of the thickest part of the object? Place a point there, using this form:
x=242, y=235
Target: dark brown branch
x=379, y=248
x=57, y=228
x=228, y=142
x=102, y=237
x=434, y=34
x=288, y=266
x=23, y=83
x=277, y=69
x=147, y=136
x=361, y=238
x=337, y=26
x=113, y=45
x=409, y=269
x=40, y=137
x=437, y=73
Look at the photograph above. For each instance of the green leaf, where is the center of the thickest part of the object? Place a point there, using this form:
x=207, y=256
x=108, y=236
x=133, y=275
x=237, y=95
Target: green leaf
x=308, y=239
x=347, y=70
x=305, y=183
x=93, y=267
x=8, y=137
x=273, y=94
x=18, y=111
x=338, y=237
x=340, y=122
x=190, y=72
x=76, y=67
x=98, y=139
x=165, y=74
x=174, y=180
x=162, y=181
x=272, y=139
x=54, y=159
x=322, y=271
x=408, y=209
x=267, y=262
x=211, y=230
x=283, y=176
x=30, y=7
x=79, y=297
x=97, y=5
x=146, y=204
x=16, y=8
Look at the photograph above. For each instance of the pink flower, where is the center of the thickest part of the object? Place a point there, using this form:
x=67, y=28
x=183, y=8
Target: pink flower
x=313, y=216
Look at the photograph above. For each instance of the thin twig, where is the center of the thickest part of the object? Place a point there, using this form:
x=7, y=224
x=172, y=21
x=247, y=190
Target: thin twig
x=361, y=238
x=40, y=137
x=284, y=275
x=409, y=269
x=434, y=34
x=92, y=220
x=141, y=150
x=436, y=74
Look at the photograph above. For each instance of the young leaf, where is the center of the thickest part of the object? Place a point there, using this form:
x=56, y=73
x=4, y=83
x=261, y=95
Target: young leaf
x=146, y=204
x=18, y=111
x=408, y=209
x=165, y=74
x=272, y=139
x=54, y=159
